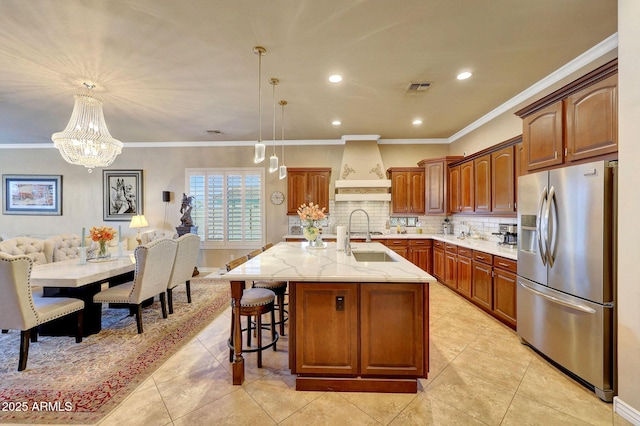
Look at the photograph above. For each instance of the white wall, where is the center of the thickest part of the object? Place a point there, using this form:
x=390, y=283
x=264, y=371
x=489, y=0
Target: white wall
x=629, y=205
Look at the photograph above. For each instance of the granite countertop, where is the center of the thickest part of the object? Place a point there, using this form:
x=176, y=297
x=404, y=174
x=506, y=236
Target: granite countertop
x=490, y=247
x=296, y=261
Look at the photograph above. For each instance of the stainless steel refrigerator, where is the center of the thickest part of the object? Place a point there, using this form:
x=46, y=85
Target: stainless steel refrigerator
x=567, y=270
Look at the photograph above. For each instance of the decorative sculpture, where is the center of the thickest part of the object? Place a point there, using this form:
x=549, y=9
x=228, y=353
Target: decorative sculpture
x=185, y=209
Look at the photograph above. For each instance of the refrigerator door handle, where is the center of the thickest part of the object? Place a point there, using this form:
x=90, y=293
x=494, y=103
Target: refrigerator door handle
x=581, y=308
x=541, y=247
x=551, y=199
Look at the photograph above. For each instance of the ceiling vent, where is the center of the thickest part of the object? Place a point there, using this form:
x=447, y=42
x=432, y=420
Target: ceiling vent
x=418, y=87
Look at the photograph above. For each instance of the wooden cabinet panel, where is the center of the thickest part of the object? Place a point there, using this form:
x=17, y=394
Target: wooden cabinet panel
x=482, y=184
x=420, y=252
x=542, y=137
x=454, y=189
x=407, y=190
x=464, y=275
x=482, y=285
x=438, y=263
x=505, y=296
x=467, y=191
x=503, y=180
x=592, y=120
x=318, y=322
x=451, y=269
x=307, y=185
x=392, y=332
x=400, y=246
x=435, y=187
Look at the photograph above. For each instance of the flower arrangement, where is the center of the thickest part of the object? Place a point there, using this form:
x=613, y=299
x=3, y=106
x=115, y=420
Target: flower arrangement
x=102, y=233
x=311, y=213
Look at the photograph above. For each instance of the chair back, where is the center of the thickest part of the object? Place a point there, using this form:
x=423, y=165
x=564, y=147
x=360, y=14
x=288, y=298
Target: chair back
x=236, y=262
x=17, y=311
x=66, y=246
x=154, y=263
x=267, y=246
x=185, y=259
x=254, y=253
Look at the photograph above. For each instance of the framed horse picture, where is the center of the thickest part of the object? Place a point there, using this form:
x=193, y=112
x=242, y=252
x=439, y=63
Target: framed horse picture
x=122, y=194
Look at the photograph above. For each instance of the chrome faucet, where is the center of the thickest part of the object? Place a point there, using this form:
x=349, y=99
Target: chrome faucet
x=347, y=241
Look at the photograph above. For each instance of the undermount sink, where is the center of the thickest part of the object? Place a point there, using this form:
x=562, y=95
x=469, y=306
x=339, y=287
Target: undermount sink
x=372, y=256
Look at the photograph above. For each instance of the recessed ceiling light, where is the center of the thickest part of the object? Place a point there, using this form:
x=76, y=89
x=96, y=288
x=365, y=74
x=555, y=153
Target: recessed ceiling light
x=336, y=122
x=417, y=122
x=335, y=78
x=464, y=75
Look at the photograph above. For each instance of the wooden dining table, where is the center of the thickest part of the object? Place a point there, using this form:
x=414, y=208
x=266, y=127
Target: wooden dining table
x=70, y=278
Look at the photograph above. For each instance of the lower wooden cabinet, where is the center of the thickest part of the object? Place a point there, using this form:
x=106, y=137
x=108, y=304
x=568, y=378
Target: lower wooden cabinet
x=451, y=266
x=400, y=246
x=438, y=260
x=505, y=290
x=482, y=287
x=464, y=271
x=360, y=329
x=421, y=254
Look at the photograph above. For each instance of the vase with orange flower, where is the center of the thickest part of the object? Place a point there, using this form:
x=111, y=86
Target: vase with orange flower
x=102, y=235
x=309, y=217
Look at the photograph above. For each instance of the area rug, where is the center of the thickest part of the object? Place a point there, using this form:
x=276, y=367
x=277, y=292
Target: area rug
x=70, y=383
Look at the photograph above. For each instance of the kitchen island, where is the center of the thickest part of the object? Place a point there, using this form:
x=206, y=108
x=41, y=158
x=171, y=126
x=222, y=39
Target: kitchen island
x=356, y=323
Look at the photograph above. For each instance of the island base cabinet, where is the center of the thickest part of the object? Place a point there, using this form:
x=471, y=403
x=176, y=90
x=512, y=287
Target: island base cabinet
x=365, y=337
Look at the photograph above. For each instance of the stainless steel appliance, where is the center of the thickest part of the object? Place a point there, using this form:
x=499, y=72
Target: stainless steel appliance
x=567, y=269
x=508, y=234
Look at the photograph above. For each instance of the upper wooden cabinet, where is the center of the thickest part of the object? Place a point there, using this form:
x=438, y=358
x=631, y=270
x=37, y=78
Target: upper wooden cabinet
x=482, y=183
x=307, y=185
x=542, y=137
x=576, y=123
x=407, y=190
x=503, y=180
x=592, y=120
x=437, y=184
x=461, y=187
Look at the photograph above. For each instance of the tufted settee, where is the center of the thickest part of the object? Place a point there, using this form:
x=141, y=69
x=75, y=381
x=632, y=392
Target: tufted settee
x=39, y=250
x=65, y=246
x=157, y=234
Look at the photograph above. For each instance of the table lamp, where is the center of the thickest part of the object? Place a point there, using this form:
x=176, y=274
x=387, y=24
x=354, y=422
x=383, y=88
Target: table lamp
x=138, y=221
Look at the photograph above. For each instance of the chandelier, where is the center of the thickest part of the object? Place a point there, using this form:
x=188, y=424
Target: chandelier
x=259, y=147
x=86, y=140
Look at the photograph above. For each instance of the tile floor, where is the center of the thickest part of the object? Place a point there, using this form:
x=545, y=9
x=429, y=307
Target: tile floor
x=479, y=374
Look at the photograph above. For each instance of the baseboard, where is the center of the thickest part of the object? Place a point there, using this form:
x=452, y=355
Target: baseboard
x=626, y=411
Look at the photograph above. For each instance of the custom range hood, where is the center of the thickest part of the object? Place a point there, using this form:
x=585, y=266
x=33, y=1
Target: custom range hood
x=362, y=174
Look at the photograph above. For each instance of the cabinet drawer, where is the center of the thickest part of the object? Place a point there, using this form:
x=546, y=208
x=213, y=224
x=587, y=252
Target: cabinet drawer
x=451, y=248
x=462, y=251
x=504, y=263
x=438, y=244
x=396, y=243
x=420, y=243
x=480, y=256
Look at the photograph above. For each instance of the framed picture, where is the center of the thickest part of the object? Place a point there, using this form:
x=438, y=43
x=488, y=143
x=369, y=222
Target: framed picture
x=32, y=194
x=122, y=193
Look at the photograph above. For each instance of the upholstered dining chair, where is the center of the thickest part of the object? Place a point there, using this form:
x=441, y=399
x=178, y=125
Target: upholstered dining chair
x=21, y=310
x=154, y=263
x=278, y=287
x=185, y=260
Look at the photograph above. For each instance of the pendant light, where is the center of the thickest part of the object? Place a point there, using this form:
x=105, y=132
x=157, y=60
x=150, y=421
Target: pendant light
x=259, y=147
x=86, y=141
x=283, y=169
x=273, y=160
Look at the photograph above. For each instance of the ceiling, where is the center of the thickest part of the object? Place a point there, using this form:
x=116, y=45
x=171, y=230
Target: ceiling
x=168, y=71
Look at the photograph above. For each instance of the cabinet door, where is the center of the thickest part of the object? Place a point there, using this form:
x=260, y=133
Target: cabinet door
x=438, y=264
x=392, y=330
x=454, y=189
x=421, y=254
x=416, y=192
x=482, y=287
x=400, y=246
x=307, y=185
x=326, y=333
x=296, y=190
x=542, y=137
x=318, y=188
x=504, y=296
x=435, y=190
x=592, y=120
x=399, y=192
x=482, y=183
x=451, y=269
x=503, y=180
x=464, y=275
x=467, y=191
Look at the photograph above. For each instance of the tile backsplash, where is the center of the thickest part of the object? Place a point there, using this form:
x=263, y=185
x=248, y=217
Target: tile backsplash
x=379, y=215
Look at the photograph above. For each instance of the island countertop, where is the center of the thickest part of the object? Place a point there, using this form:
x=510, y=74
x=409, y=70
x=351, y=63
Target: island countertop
x=296, y=261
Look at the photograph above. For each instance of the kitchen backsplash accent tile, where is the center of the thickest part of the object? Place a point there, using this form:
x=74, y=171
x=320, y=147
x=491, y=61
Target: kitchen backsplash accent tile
x=379, y=215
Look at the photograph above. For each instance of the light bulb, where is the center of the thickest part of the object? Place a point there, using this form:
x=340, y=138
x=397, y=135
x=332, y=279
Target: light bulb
x=273, y=163
x=283, y=172
x=259, y=153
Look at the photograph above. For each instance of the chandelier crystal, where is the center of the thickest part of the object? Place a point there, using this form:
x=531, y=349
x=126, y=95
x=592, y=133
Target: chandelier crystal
x=259, y=147
x=86, y=141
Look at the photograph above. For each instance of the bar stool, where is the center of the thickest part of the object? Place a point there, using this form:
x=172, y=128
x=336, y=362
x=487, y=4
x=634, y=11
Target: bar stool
x=278, y=287
x=254, y=302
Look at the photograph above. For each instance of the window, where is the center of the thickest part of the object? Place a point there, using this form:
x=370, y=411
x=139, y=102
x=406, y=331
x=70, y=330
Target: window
x=228, y=206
